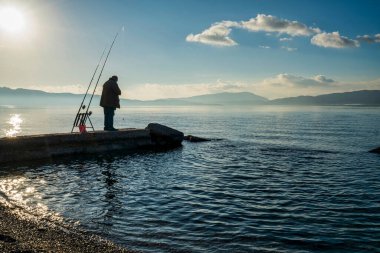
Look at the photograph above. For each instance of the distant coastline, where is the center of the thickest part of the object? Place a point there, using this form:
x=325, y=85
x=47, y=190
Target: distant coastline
x=14, y=97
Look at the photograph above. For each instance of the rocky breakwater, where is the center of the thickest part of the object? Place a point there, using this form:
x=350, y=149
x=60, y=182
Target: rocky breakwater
x=164, y=137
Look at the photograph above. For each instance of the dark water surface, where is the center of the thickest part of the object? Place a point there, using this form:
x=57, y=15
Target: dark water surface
x=282, y=179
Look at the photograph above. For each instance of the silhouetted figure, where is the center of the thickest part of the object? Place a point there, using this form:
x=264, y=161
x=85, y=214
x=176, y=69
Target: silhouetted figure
x=110, y=101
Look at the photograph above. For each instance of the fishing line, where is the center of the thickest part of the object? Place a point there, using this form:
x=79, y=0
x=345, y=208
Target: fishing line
x=101, y=72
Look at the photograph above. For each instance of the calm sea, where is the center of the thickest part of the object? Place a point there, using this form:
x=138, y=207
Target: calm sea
x=274, y=179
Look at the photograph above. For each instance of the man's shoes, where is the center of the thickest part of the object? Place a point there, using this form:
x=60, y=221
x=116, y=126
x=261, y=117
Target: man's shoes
x=110, y=129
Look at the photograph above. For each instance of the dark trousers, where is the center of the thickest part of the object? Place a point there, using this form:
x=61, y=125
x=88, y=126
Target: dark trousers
x=109, y=112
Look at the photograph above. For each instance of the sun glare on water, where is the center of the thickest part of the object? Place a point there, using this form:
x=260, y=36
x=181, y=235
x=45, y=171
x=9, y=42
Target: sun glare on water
x=11, y=20
x=15, y=122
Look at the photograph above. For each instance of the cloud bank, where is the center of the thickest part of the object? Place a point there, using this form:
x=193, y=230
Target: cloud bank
x=288, y=80
x=218, y=33
x=288, y=85
x=279, y=86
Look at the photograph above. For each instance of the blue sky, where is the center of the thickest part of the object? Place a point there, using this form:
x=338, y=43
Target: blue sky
x=181, y=48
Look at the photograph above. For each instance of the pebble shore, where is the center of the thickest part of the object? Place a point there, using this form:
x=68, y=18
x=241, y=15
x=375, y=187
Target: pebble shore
x=30, y=236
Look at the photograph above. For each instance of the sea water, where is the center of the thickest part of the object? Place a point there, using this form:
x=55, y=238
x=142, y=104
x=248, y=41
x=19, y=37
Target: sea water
x=273, y=179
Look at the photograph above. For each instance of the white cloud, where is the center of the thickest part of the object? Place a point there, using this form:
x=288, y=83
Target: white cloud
x=216, y=35
x=265, y=47
x=334, y=40
x=269, y=23
x=289, y=49
x=323, y=79
x=286, y=39
x=370, y=39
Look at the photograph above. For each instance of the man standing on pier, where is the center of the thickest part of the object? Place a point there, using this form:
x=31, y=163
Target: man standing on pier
x=110, y=101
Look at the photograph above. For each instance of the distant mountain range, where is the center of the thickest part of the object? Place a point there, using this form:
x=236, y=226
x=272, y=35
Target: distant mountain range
x=30, y=98
x=25, y=97
x=225, y=98
x=362, y=97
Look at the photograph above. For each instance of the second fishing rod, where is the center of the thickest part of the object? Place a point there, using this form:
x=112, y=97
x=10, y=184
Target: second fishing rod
x=82, y=106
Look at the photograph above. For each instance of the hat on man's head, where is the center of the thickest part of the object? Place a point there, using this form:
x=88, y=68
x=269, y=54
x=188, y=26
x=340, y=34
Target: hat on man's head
x=114, y=78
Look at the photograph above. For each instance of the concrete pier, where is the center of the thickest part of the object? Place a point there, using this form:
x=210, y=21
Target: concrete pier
x=45, y=146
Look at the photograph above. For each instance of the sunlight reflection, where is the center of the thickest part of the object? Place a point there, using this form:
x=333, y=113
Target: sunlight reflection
x=17, y=192
x=15, y=122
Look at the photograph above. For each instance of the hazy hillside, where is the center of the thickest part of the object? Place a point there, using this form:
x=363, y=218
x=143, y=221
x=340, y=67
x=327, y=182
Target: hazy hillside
x=24, y=97
x=30, y=98
x=240, y=98
x=363, y=97
x=225, y=98
x=4, y=91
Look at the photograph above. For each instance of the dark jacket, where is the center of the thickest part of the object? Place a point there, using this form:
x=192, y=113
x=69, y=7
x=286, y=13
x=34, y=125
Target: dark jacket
x=110, y=94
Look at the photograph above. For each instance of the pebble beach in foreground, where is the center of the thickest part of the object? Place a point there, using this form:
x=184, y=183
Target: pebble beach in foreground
x=24, y=235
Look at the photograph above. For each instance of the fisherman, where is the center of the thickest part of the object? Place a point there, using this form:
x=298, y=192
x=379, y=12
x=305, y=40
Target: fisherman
x=110, y=101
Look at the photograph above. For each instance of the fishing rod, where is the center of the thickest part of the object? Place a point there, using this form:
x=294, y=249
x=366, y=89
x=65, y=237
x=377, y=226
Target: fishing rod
x=101, y=72
x=85, y=95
